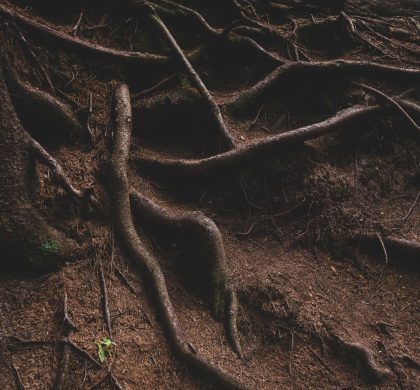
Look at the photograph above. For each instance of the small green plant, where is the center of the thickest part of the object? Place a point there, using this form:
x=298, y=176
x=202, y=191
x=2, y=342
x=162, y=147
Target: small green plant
x=104, y=348
x=50, y=246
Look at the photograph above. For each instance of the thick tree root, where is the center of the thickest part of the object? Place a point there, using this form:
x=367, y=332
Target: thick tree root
x=399, y=251
x=119, y=190
x=267, y=147
x=38, y=108
x=23, y=231
x=82, y=45
x=363, y=356
x=198, y=83
x=253, y=96
x=223, y=300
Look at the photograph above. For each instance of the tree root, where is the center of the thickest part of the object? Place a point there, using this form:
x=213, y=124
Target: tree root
x=122, y=56
x=393, y=103
x=269, y=146
x=399, y=250
x=23, y=231
x=119, y=191
x=254, y=95
x=213, y=35
x=39, y=109
x=223, y=300
x=363, y=355
x=198, y=83
x=18, y=379
x=68, y=329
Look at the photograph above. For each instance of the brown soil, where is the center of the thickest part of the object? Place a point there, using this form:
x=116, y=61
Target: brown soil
x=308, y=285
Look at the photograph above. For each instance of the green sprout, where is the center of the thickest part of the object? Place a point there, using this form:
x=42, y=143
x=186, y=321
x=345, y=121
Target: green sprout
x=104, y=348
x=50, y=246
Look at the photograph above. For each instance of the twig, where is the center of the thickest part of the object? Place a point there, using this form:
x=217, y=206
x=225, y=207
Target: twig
x=150, y=90
x=411, y=208
x=77, y=25
x=254, y=122
x=89, y=118
x=105, y=299
x=391, y=101
x=124, y=279
x=383, y=247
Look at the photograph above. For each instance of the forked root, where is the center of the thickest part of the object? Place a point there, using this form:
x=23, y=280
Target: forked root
x=119, y=192
x=223, y=300
x=363, y=356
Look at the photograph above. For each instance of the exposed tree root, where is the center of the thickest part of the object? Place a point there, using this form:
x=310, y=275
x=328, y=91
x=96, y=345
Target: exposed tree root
x=119, y=190
x=198, y=83
x=253, y=96
x=399, y=250
x=362, y=355
x=232, y=320
x=82, y=45
x=223, y=301
x=112, y=379
x=213, y=35
x=260, y=26
x=23, y=230
x=267, y=147
x=37, y=108
x=18, y=379
x=68, y=329
x=43, y=156
x=393, y=103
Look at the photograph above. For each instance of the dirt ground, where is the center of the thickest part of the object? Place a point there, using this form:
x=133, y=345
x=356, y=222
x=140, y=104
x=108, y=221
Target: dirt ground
x=308, y=285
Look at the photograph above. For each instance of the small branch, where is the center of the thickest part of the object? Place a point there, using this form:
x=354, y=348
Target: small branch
x=89, y=118
x=155, y=88
x=383, y=247
x=75, y=29
x=105, y=305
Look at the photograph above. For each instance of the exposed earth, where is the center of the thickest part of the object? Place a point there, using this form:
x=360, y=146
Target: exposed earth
x=302, y=269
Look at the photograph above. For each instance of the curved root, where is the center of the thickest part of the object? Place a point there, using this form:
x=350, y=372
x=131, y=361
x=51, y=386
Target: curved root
x=23, y=230
x=37, y=108
x=254, y=95
x=119, y=190
x=269, y=146
x=82, y=45
x=223, y=300
x=364, y=356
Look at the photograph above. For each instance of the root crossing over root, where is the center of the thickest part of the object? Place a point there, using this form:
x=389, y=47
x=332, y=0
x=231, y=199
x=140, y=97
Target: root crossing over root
x=119, y=191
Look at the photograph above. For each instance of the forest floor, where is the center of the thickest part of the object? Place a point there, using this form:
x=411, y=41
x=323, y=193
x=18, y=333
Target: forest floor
x=308, y=287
